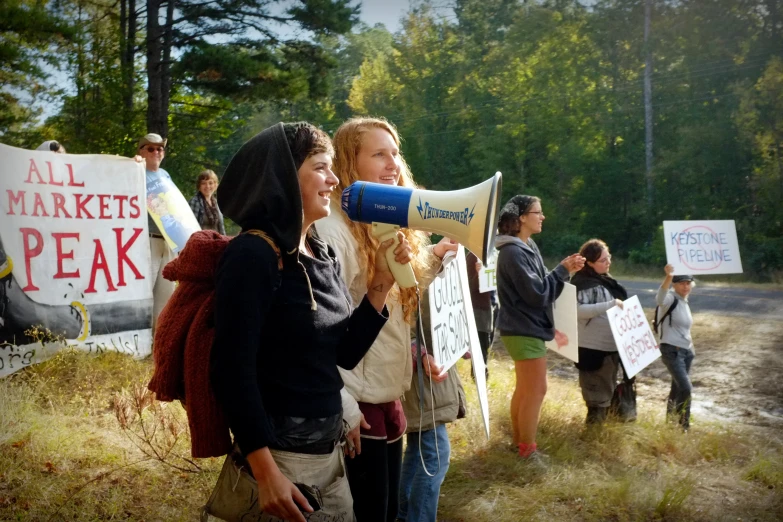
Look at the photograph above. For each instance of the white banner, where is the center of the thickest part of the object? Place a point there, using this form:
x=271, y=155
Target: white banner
x=632, y=335
x=74, y=255
x=702, y=247
x=566, y=341
x=487, y=275
x=453, y=325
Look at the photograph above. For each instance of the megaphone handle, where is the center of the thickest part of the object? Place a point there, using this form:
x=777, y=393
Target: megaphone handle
x=403, y=273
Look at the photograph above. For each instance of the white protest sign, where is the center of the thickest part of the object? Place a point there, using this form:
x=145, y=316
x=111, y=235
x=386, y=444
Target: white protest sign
x=702, y=247
x=633, y=336
x=451, y=312
x=487, y=274
x=74, y=256
x=479, y=370
x=566, y=341
x=453, y=325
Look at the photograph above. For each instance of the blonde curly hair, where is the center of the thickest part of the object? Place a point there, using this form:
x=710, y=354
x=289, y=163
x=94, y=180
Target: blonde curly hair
x=347, y=142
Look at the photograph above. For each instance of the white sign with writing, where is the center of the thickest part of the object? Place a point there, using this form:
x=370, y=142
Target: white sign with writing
x=454, y=326
x=487, y=274
x=633, y=336
x=566, y=341
x=451, y=313
x=702, y=247
x=74, y=256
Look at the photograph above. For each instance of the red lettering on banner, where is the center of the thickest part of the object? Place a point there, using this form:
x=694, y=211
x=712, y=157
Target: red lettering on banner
x=99, y=263
x=80, y=206
x=51, y=176
x=58, y=239
x=39, y=203
x=29, y=253
x=104, y=205
x=71, y=182
x=134, y=204
x=122, y=255
x=122, y=199
x=12, y=200
x=34, y=168
x=59, y=205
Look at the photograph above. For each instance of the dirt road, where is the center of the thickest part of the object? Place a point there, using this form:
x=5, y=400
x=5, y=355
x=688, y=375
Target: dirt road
x=727, y=300
x=737, y=374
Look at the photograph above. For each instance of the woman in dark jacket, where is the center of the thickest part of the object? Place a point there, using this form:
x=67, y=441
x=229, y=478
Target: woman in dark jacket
x=527, y=291
x=283, y=322
x=205, y=205
x=597, y=292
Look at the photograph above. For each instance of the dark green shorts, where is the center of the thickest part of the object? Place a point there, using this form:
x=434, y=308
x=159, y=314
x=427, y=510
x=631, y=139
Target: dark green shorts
x=521, y=348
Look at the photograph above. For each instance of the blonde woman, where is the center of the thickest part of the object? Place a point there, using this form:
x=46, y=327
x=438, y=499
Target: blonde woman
x=368, y=149
x=204, y=204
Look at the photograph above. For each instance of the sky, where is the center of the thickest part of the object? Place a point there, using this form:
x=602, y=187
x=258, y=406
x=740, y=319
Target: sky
x=387, y=12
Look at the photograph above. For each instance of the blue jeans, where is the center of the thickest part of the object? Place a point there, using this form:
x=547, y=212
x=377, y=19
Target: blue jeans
x=678, y=362
x=419, y=492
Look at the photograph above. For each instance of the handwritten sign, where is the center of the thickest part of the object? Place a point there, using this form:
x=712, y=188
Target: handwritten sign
x=451, y=313
x=702, y=247
x=633, y=336
x=487, y=274
x=74, y=255
x=453, y=324
x=566, y=341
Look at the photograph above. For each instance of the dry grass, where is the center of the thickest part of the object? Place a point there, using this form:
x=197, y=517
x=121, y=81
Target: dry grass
x=64, y=455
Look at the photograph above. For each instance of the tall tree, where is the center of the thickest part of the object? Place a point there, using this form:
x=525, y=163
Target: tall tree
x=29, y=33
x=252, y=62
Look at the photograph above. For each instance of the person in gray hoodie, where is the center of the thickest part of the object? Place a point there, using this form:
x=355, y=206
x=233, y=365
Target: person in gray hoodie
x=527, y=290
x=676, y=342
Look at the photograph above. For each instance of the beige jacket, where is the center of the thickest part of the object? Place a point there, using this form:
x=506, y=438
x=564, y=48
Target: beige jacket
x=384, y=374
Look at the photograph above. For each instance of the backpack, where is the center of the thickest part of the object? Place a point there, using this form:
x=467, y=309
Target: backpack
x=184, y=336
x=657, y=322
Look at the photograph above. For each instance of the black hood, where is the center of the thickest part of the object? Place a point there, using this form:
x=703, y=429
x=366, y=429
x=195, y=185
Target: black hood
x=260, y=188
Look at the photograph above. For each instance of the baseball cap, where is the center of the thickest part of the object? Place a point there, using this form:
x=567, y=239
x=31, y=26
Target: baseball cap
x=681, y=278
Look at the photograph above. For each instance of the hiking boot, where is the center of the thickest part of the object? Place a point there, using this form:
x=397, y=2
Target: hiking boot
x=596, y=415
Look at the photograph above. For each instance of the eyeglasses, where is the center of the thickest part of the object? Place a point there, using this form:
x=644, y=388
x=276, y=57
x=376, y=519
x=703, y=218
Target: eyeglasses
x=607, y=259
x=535, y=212
x=154, y=149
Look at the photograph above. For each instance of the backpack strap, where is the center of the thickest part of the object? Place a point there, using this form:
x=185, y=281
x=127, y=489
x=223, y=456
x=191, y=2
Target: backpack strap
x=657, y=322
x=263, y=235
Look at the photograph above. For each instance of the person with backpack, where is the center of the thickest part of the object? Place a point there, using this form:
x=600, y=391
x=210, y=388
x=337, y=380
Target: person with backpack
x=677, y=352
x=597, y=292
x=527, y=291
x=284, y=323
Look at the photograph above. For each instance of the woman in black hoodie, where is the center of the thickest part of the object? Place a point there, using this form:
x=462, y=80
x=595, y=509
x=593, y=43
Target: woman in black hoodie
x=283, y=322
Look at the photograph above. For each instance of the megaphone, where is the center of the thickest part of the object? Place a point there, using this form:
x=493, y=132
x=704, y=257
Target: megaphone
x=468, y=216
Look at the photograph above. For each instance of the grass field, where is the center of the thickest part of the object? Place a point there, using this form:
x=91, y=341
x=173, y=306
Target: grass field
x=64, y=455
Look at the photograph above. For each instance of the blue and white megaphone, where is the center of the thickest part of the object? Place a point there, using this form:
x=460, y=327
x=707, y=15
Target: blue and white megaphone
x=468, y=216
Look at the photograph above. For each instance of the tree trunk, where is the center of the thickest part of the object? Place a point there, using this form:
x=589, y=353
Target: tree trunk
x=156, y=113
x=648, y=112
x=128, y=18
x=165, y=66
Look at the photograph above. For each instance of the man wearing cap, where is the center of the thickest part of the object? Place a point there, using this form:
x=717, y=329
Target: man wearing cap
x=152, y=148
x=676, y=342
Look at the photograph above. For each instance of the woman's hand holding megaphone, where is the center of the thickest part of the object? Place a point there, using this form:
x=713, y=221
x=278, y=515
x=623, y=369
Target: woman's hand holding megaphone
x=384, y=279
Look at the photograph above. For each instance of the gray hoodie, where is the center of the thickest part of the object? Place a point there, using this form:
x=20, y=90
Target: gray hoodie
x=526, y=289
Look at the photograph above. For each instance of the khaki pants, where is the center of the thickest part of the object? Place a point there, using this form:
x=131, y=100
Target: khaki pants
x=325, y=475
x=160, y=254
